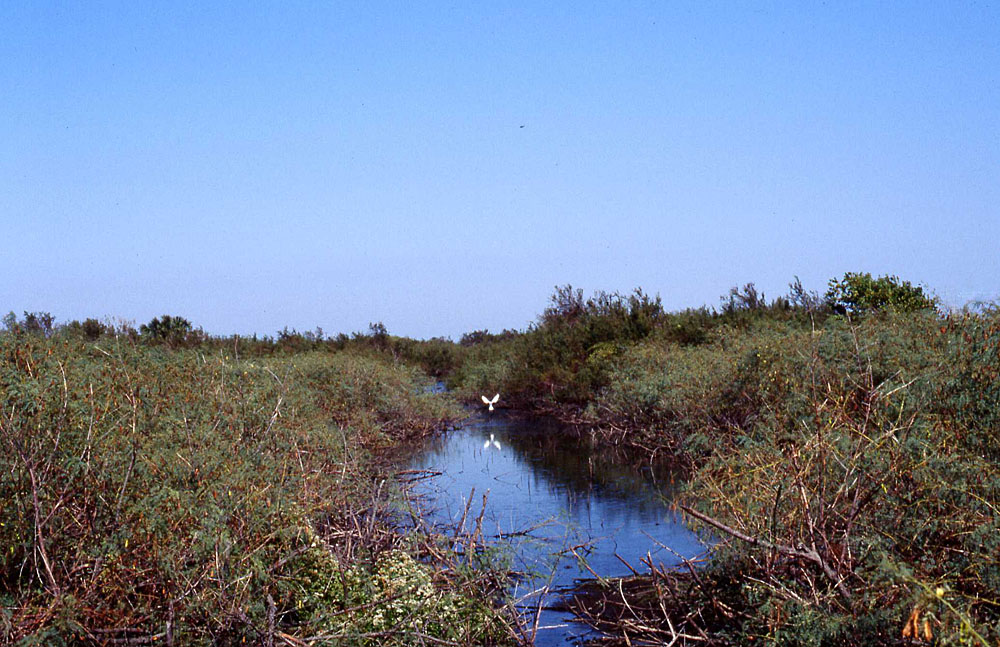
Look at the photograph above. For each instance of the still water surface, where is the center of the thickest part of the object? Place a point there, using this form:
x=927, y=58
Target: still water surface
x=557, y=502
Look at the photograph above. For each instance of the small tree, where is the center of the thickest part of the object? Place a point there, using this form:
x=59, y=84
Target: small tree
x=379, y=335
x=10, y=323
x=859, y=293
x=566, y=304
x=34, y=323
x=747, y=298
x=39, y=323
x=172, y=330
x=799, y=297
x=92, y=329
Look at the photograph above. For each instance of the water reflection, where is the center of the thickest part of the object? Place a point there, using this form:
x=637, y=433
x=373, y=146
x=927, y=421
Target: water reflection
x=569, y=501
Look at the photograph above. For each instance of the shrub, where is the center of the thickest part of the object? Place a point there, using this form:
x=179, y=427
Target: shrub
x=33, y=323
x=860, y=293
x=175, y=495
x=173, y=331
x=850, y=473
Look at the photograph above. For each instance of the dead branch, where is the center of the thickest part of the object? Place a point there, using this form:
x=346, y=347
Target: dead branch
x=810, y=555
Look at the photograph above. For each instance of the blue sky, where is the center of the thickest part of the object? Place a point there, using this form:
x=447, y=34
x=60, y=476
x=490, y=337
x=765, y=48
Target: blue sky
x=441, y=167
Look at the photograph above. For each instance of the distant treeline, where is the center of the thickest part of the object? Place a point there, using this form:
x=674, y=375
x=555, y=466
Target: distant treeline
x=610, y=316
x=178, y=332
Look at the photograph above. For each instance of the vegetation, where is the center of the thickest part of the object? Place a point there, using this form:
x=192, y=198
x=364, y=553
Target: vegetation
x=170, y=330
x=221, y=494
x=844, y=451
x=861, y=294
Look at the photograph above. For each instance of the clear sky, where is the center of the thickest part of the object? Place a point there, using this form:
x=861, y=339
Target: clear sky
x=441, y=166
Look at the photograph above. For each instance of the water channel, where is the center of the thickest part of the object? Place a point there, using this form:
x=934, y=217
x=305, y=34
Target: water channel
x=565, y=509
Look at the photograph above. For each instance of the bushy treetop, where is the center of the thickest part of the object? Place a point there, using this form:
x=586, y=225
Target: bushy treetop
x=860, y=293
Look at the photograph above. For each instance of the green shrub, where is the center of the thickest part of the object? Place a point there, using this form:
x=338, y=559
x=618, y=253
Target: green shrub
x=173, y=331
x=147, y=488
x=847, y=446
x=860, y=293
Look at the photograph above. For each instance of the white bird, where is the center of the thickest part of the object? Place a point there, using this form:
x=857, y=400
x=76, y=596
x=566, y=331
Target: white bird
x=494, y=441
x=491, y=402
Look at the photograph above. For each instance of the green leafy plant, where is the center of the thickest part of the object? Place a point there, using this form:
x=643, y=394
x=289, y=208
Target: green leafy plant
x=190, y=498
x=168, y=329
x=859, y=293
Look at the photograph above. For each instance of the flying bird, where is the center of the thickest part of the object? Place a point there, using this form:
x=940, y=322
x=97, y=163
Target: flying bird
x=491, y=402
x=493, y=441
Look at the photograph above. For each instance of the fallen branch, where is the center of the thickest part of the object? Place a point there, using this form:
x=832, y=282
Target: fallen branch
x=810, y=555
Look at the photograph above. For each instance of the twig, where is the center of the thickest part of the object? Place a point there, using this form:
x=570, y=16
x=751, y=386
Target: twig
x=810, y=555
x=38, y=525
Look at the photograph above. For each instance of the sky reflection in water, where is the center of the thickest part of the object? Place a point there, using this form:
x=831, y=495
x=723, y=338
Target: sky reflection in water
x=564, y=494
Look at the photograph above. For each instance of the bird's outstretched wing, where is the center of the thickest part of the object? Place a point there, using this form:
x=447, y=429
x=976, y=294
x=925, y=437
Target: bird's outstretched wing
x=485, y=401
x=494, y=400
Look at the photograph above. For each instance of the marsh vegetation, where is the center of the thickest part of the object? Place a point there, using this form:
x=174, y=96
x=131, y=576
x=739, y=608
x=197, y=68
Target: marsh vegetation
x=174, y=489
x=844, y=448
x=162, y=484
